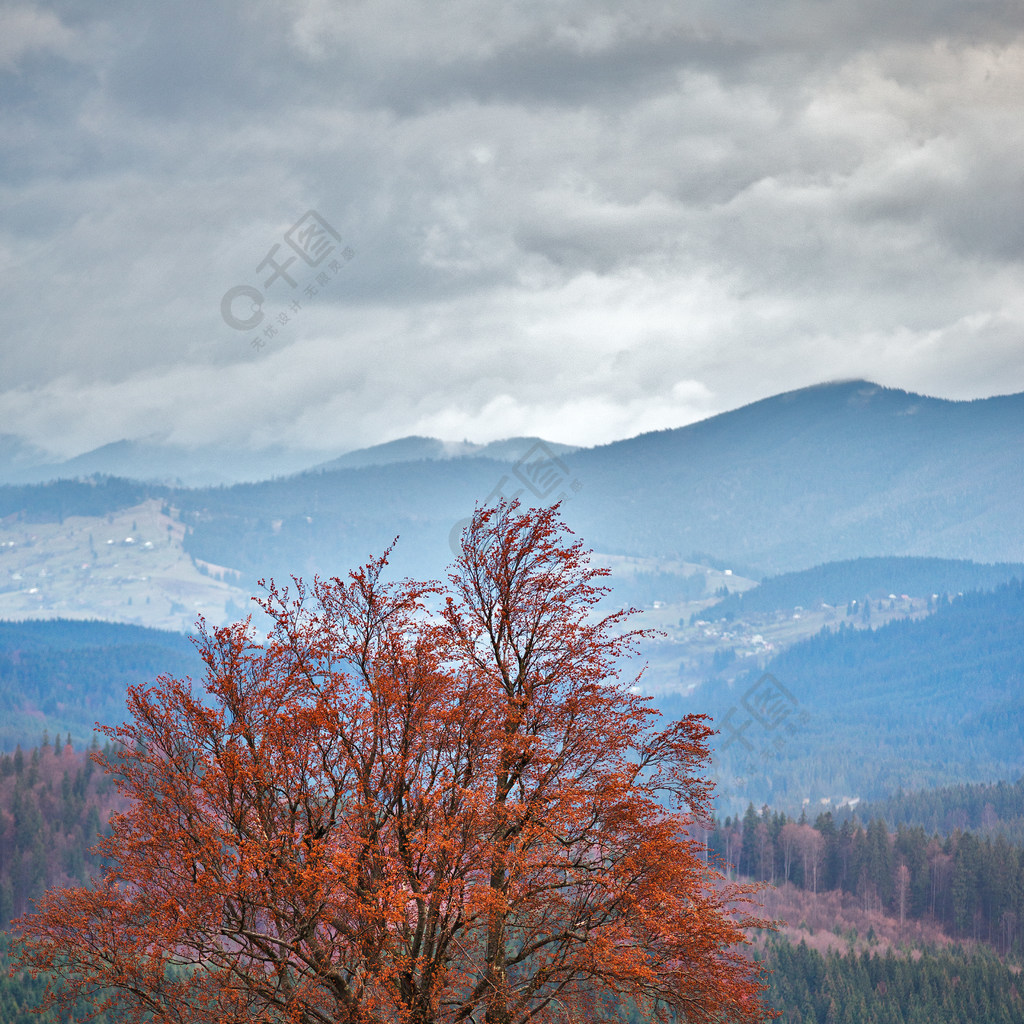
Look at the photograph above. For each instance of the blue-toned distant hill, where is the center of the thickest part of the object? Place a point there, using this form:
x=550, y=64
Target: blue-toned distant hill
x=153, y=460
x=156, y=460
x=839, y=583
x=869, y=712
x=821, y=474
x=416, y=449
x=839, y=471
x=65, y=676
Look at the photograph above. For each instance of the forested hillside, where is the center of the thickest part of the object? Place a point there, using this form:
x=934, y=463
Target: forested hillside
x=871, y=709
x=870, y=712
x=66, y=676
x=54, y=803
x=840, y=471
x=859, y=579
x=987, y=808
x=52, y=502
x=939, y=987
x=970, y=885
x=20, y=994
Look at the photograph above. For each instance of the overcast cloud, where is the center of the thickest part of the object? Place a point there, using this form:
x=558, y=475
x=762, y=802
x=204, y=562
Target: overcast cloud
x=576, y=219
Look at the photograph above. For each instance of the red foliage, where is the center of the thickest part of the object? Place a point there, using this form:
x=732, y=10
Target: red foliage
x=398, y=810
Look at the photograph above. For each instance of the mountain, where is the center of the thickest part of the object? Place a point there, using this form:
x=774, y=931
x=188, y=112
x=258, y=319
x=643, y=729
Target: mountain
x=822, y=474
x=866, y=713
x=64, y=676
x=834, y=472
x=154, y=460
x=854, y=580
x=828, y=473
x=417, y=449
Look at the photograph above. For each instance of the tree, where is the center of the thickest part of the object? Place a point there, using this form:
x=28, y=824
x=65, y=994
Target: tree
x=748, y=848
x=902, y=888
x=940, y=870
x=789, y=839
x=765, y=850
x=812, y=848
x=402, y=809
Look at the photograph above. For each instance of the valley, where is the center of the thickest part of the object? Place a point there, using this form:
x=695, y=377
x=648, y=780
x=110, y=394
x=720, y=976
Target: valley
x=826, y=574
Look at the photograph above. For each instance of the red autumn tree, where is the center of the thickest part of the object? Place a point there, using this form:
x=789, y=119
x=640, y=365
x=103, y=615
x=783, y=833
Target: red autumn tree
x=411, y=804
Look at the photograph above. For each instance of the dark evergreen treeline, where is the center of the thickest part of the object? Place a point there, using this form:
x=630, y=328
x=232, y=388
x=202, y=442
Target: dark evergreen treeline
x=77, y=634
x=67, y=675
x=53, y=502
x=840, y=583
x=939, y=987
x=970, y=885
x=983, y=807
x=20, y=993
x=936, y=987
x=54, y=803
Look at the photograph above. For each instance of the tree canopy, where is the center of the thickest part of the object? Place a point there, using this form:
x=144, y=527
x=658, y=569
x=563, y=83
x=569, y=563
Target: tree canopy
x=410, y=802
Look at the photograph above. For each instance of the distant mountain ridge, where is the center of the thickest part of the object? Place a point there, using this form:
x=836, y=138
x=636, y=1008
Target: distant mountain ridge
x=151, y=460
x=832, y=472
x=838, y=583
x=823, y=474
x=418, y=449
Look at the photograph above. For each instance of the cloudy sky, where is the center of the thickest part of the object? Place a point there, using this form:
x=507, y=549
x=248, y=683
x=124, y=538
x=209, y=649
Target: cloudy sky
x=574, y=218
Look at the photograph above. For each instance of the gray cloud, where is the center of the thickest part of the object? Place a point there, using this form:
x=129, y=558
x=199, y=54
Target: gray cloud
x=581, y=220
